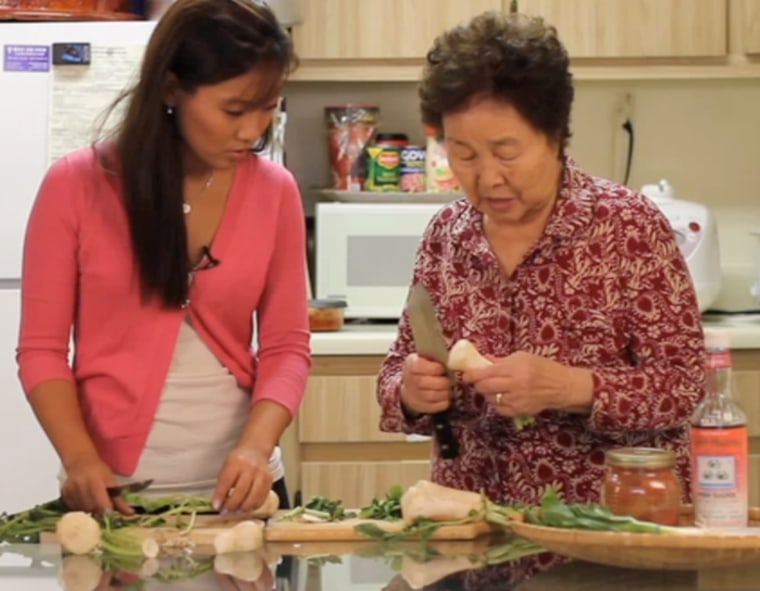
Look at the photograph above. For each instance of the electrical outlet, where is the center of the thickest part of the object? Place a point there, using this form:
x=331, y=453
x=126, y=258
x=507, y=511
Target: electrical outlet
x=624, y=108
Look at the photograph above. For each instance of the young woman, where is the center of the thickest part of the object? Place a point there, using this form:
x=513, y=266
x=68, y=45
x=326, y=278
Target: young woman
x=155, y=250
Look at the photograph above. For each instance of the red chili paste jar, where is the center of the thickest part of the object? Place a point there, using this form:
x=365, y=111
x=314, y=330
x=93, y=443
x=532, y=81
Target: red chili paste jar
x=642, y=482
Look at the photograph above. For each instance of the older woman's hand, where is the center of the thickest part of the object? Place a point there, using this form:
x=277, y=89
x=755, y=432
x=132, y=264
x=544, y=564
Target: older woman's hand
x=524, y=384
x=425, y=385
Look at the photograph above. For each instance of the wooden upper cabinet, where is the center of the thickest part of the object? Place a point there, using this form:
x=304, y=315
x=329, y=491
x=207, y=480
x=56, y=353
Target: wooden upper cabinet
x=752, y=26
x=637, y=28
x=378, y=29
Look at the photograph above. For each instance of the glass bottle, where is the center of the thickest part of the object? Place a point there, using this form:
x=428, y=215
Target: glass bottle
x=719, y=444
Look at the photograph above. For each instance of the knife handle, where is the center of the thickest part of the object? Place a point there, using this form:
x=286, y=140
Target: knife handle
x=445, y=435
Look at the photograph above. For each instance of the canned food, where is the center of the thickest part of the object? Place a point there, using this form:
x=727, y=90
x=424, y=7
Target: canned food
x=384, y=168
x=412, y=174
x=392, y=139
x=641, y=482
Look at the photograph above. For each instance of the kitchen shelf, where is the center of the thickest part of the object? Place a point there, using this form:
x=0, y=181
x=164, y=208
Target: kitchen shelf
x=733, y=67
x=385, y=196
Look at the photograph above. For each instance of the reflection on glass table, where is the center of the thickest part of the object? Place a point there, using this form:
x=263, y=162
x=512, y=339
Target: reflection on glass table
x=480, y=565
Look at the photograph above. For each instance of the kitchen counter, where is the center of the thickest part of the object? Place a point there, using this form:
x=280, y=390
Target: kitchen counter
x=362, y=566
x=368, y=339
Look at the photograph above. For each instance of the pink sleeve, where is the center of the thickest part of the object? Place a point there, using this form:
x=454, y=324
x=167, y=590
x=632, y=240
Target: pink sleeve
x=48, y=281
x=283, y=317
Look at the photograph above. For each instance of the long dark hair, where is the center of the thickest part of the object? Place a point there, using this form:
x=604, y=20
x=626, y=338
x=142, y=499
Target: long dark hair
x=199, y=42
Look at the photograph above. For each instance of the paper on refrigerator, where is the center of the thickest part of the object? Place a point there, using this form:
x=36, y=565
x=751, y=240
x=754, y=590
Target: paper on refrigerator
x=81, y=95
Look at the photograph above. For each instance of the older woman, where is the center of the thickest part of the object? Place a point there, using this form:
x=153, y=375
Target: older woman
x=574, y=285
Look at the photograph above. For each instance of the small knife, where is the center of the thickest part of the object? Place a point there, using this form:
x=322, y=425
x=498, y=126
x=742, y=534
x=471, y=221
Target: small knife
x=430, y=343
x=137, y=486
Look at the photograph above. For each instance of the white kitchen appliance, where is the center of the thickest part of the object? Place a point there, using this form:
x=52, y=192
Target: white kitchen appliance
x=31, y=130
x=697, y=235
x=365, y=254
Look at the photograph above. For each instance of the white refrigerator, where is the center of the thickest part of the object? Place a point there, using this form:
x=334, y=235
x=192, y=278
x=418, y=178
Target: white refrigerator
x=45, y=110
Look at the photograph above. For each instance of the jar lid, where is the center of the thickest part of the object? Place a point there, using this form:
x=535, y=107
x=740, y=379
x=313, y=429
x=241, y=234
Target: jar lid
x=641, y=457
x=327, y=303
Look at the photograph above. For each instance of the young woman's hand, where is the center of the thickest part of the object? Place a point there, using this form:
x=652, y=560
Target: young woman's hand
x=425, y=385
x=85, y=488
x=244, y=481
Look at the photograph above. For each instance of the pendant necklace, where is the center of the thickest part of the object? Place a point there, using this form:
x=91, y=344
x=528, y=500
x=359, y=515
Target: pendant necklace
x=186, y=207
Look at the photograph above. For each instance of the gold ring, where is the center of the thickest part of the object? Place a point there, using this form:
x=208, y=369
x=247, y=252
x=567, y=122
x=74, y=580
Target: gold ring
x=499, y=396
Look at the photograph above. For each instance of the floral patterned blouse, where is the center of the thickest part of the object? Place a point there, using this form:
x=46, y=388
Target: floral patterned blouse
x=605, y=288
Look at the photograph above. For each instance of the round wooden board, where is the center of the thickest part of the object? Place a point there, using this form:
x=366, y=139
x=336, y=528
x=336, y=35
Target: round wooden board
x=691, y=549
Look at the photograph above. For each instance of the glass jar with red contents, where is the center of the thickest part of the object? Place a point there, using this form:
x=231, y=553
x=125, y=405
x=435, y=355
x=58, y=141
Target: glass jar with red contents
x=642, y=482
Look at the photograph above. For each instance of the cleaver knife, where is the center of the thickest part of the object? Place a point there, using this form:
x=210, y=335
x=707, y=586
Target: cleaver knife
x=430, y=343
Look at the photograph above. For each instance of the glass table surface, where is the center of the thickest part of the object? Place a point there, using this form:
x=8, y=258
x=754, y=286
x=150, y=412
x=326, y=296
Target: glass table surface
x=358, y=566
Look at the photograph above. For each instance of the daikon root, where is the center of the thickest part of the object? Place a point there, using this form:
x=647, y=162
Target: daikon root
x=78, y=532
x=245, y=566
x=269, y=508
x=243, y=537
x=439, y=503
x=79, y=573
x=464, y=356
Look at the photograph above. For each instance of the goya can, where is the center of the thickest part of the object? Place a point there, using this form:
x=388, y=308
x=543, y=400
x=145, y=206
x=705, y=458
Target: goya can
x=384, y=168
x=412, y=175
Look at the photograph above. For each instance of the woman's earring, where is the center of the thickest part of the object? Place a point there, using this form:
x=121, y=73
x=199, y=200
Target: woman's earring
x=169, y=110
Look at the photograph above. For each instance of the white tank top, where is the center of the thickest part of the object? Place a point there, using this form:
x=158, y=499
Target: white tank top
x=200, y=417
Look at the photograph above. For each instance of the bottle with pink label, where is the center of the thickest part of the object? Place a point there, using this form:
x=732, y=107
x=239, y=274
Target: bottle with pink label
x=719, y=444
x=438, y=175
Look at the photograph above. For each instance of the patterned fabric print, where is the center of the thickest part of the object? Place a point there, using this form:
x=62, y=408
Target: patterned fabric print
x=604, y=288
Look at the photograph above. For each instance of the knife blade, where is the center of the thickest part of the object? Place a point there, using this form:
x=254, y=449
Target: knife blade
x=430, y=343
x=137, y=486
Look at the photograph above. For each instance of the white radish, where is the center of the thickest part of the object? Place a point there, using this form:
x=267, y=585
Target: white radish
x=439, y=503
x=245, y=566
x=79, y=573
x=150, y=548
x=243, y=537
x=463, y=355
x=268, y=508
x=150, y=567
x=78, y=532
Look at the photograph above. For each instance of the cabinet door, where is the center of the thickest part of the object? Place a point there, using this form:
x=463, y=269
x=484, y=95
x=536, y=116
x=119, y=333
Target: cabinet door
x=342, y=409
x=752, y=26
x=378, y=29
x=357, y=483
x=636, y=28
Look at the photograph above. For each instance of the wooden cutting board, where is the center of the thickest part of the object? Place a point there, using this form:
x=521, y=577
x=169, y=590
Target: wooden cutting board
x=293, y=531
x=208, y=526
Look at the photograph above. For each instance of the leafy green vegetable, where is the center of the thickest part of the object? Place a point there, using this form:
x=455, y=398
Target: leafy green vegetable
x=522, y=422
x=176, y=504
x=421, y=528
x=26, y=526
x=554, y=512
x=321, y=507
x=388, y=508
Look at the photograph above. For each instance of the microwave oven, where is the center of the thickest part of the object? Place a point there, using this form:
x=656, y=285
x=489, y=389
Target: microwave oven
x=365, y=252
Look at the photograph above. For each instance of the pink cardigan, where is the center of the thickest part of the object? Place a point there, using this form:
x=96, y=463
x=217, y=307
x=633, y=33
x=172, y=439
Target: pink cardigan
x=79, y=272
